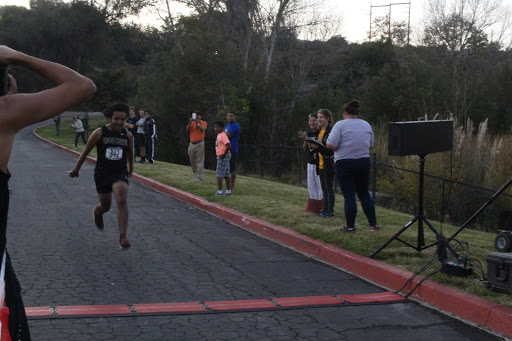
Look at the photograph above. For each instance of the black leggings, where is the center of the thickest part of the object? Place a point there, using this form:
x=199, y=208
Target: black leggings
x=327, y=183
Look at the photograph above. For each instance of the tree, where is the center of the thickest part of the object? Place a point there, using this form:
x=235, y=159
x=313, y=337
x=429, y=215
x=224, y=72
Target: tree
x=470, y=32
x=396, y=31
x=116, y=10
x=464, y=24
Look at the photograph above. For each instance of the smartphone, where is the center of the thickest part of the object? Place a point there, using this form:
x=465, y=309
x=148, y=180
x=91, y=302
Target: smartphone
x=4, y=80
x=194, y=115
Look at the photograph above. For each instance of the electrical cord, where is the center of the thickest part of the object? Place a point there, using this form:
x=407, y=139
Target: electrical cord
x=461, y=246
x=425, y=267
x=423, y=280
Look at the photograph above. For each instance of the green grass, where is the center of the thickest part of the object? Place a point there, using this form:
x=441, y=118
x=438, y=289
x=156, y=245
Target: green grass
x=284, y=204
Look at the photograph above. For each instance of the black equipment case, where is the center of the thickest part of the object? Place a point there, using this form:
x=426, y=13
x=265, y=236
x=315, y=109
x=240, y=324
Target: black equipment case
x=499, y=271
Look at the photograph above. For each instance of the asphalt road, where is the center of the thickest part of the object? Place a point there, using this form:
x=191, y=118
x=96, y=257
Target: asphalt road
x=178, y=254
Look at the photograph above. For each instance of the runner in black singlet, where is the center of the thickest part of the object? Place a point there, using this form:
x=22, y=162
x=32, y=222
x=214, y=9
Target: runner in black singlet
x=18, y=111
x=113, y=144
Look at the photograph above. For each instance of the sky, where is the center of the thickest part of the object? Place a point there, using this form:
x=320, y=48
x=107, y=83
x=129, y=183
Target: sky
x=355, y=14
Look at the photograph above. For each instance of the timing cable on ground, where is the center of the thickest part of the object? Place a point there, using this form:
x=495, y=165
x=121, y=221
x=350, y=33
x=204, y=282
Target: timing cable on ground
x=462, y=246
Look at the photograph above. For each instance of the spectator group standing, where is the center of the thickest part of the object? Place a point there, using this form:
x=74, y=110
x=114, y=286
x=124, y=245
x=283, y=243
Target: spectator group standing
x=197, y=129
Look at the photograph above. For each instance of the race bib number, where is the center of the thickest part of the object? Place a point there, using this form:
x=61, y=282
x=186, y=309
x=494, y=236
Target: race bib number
x=114, y=153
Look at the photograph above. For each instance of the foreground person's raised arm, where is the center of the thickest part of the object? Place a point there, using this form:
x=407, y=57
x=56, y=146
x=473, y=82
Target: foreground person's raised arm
x=70, y=88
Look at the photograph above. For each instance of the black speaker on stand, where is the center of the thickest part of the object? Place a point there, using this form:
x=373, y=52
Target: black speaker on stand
x=420, y=138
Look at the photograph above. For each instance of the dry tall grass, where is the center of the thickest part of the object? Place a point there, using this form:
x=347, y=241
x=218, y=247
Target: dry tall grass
x=478, y=159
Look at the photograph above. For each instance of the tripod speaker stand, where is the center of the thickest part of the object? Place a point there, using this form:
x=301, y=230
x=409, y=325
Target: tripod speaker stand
x=420, y=218
x=415, y=138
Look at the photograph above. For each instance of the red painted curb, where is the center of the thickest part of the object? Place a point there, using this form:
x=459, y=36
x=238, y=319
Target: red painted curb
x=499, y=320
x=471, y=308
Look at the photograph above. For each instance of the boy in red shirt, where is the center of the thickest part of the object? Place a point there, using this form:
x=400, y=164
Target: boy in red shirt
x=222, y=149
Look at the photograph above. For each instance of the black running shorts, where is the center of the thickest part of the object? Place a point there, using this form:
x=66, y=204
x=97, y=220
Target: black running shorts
x=104, y=180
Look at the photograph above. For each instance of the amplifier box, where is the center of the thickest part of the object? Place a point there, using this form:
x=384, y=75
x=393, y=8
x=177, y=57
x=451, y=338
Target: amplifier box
x=499, y=271
x=420, y=137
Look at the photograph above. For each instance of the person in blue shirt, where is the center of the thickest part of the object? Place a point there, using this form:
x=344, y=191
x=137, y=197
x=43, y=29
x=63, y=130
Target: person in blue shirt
x=232, y=129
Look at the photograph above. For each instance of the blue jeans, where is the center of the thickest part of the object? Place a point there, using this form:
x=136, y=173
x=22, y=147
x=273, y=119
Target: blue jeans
x=77, y=134
x=354, y=178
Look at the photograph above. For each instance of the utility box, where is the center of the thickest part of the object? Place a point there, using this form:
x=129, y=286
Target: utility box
x=499, y=271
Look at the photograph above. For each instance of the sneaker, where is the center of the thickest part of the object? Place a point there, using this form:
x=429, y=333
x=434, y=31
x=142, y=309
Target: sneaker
x=346, y=229
x=151, y=162
x=217, y=194
x=98, y=218
x=228, y=194
x=374, y=228
x=326, y=215
x=141, y=161
x=197, y=180
x=123, y=242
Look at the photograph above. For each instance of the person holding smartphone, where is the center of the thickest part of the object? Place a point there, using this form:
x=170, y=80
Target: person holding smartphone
x=18, y=111
x=197, y=128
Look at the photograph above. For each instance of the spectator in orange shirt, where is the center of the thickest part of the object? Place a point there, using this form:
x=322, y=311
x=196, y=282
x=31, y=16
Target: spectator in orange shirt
x=197, y=129
x=222, y=150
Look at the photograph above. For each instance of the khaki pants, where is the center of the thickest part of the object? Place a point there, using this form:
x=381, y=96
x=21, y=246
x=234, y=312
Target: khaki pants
x=196, y=155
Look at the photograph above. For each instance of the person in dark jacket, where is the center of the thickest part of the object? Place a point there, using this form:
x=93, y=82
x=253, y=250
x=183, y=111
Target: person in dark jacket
x=149, y=137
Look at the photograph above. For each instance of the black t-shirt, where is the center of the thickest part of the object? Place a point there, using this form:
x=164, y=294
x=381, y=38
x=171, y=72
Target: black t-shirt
x=112, y=148
x=312, y=151
x=132, y=120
